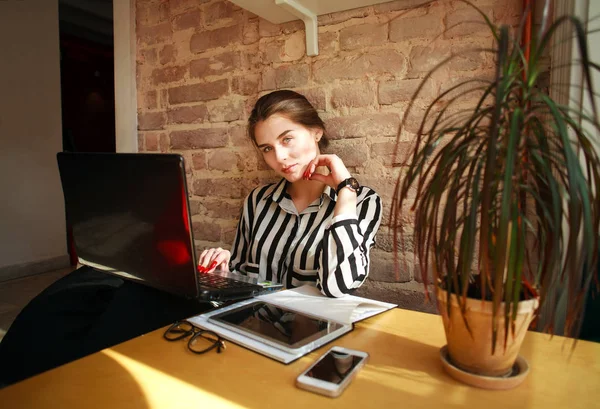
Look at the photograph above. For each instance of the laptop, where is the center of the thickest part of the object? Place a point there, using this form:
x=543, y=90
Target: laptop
x=130, y=216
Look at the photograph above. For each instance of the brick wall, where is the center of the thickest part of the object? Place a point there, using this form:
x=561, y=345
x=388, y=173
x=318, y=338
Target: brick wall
x=201, y=65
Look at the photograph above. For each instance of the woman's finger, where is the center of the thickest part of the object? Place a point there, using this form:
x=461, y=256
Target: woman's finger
x=337, y=170
x=220, y=259
x=206, y=258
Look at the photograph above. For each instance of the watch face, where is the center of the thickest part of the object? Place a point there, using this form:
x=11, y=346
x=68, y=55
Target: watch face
x=350, y=183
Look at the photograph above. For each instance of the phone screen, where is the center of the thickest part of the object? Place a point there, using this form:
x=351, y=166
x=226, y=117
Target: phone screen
x=334, y=367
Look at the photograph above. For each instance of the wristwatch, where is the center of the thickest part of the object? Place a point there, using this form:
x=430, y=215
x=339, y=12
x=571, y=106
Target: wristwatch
x=350, y=183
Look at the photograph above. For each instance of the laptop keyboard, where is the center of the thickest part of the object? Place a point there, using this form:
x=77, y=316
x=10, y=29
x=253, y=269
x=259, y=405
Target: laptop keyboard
x=215, y=281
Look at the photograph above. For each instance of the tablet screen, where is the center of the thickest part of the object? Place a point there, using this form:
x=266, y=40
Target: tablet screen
x=280, y=326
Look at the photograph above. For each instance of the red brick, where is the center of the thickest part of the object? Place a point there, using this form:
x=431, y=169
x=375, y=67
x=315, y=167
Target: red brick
x=199, y=161
x=509, y=12
x=201, y=138
x=141, y=136
x=364, y=35
x=268, y=81
x=316, y=96
x=250, y=59
x=352, y=152
x=225, y=112
x=228, y=234
x=151, y=120
x=154, y=34
x=466, y=21
x=424, y=59
x=167, y=54
x=150, y=14
x=360, y=126
x=400, y=91
x=163, y=142
x=206, y=231
x=219, y=37
x=428, y=26
x=228, y=188
x=328, y=42
x=251, y=160
x=151, y=142
x=215, y=65
x=268, y=29
x=164, y=11
x=239, y=137
x=148, y=56
x=341, y=16
x=164, y=99
x=245, y=85
x=383, y=269
x=467, y=58
x=187, y=114
x=399, y=5
x=194, y=207
x=272, y=51
x=294, y=47
x=168, y=74
x=250, y=32
x=358, y=66
x=198, y=92
x=222, y=209
x=222, y=159
x=353, y=95
x=148, y=100
x=154, y=141
x=218, y=11
x=190, y=19
x=415, y=118
x=290, y=76
x=177, y=6
x=391, y=153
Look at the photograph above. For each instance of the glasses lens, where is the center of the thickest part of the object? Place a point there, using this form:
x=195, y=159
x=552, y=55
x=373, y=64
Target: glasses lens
x=203, y=341
x=179, y=330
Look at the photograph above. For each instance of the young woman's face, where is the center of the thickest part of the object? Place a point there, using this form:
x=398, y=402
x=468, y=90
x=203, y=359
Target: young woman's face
x=287, y=147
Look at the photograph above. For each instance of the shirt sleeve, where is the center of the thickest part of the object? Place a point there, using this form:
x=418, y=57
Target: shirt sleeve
x=344, y=261
x=239, y=249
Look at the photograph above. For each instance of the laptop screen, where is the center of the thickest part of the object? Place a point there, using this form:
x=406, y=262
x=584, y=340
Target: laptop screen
x=129, y=215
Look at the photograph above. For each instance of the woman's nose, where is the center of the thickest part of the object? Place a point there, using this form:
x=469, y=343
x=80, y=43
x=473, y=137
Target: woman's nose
x=280, y=154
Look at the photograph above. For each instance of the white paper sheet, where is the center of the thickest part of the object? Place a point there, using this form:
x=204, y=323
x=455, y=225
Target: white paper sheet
x=308, y=299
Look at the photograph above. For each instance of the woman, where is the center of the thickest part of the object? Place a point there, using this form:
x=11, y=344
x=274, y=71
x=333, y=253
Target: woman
x=315, y=226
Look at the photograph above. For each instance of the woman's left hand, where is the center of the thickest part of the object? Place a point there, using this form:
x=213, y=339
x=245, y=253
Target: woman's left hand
x=337, y=170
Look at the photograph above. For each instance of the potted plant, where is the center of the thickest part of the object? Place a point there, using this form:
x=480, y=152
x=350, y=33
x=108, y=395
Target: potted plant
x=505, y=184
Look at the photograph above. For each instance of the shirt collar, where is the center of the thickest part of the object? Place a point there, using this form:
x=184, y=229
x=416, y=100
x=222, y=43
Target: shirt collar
x=280, y=191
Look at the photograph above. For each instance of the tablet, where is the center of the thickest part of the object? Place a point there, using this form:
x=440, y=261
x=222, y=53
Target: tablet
x=279, y=327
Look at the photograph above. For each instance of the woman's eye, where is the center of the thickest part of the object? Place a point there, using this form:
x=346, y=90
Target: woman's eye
x=287, y=139
x=267, y=149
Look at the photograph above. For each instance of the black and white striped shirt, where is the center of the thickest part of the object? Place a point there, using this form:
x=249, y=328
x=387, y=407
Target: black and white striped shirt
x=275, y=243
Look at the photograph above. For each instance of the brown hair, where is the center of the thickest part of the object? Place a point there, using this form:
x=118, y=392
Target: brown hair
x=291, y=105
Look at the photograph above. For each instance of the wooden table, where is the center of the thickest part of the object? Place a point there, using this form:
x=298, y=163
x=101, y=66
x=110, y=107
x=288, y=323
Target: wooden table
x=404, y=371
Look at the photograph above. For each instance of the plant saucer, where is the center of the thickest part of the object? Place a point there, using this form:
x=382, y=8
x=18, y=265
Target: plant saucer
x=517, y=375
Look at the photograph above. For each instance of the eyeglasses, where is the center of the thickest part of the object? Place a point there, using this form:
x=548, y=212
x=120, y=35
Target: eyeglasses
x=201, y=341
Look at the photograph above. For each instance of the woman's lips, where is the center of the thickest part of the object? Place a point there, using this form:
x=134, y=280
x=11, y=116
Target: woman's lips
x=289, y=169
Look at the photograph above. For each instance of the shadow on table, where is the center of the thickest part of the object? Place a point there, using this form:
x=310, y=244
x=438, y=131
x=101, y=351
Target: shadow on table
x=85, y=387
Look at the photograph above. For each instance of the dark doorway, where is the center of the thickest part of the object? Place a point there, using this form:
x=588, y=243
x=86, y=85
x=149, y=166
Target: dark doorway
x=87, y=75
x=86, y=80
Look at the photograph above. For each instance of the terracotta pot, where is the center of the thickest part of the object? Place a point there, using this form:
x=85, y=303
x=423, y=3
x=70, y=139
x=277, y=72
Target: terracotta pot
x=474, y=353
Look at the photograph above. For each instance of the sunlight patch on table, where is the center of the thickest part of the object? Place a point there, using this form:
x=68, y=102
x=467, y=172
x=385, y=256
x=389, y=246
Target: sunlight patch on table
x=154, y=384
x=413, y=382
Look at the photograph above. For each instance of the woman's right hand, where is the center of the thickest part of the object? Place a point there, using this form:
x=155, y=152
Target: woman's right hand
x=214, y=258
